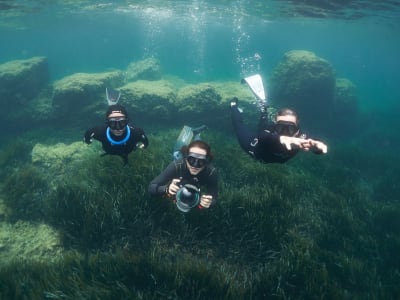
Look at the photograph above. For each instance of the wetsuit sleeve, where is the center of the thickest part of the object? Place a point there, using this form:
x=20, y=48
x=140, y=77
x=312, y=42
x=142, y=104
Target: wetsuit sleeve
x=141, y=137
x=93, y=133
x=158, y=185
x=270, y=149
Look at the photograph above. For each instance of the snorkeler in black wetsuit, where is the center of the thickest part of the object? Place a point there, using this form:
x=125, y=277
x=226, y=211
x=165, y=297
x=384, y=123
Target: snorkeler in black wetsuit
x=274, y=142
x=117, y=136
x=194, y=168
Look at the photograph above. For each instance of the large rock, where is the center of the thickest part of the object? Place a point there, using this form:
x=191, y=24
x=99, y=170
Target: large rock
x=345, y=101
x=58, y=160
x=198, y=99
x=83, y=92
x=305, y=82
x=346, y=116
x=149, y=99
x=22, y=80
x=147, y=69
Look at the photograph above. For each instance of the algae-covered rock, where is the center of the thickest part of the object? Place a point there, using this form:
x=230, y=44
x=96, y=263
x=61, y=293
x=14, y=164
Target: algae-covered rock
x=229, y=89
x=152, y=99
x=57, y=160
x=22, y=80
x=83, y=91
x=345, y=97
x=198, y=99
x=304, y=81
x=147, y=69
x=25, y=241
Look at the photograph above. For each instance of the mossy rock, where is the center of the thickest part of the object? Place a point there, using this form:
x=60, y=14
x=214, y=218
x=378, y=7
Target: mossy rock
x=305, y=82
x=81, y=92
x=56, y=161
x=198, y=99
x=21, y=81
x=229, y=89
x=149, y=99
x=302, y=79
x=147, y=69
x=24, y=241
x=345, y=97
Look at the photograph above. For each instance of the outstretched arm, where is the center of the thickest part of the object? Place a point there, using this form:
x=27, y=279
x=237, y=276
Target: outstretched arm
x=303, y=144
x=91, y=133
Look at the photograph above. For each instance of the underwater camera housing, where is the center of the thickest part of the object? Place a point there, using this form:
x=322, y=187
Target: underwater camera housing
x=187, y=197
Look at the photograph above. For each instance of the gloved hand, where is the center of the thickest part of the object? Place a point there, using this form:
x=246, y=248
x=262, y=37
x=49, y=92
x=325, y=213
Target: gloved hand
x=88, y=139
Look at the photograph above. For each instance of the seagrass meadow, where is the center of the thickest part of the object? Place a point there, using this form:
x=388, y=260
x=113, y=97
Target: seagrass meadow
x=76, y=225
x=310, y=229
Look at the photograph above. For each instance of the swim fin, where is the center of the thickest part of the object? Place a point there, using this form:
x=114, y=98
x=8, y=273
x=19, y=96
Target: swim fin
x=112, y=96
x=256, y=85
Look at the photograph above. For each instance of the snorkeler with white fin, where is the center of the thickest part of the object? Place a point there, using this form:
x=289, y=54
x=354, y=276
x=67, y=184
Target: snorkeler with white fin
x=112, y=96
x=275, y=141
x=117, y=136
x=185, y=137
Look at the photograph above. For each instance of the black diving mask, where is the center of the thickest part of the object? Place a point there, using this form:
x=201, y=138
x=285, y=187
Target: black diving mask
x=196, y=160
x=117, y=123
x=286, y=128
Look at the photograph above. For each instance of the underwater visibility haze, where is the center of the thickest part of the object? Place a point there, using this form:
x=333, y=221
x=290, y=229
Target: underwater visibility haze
x=75, y=225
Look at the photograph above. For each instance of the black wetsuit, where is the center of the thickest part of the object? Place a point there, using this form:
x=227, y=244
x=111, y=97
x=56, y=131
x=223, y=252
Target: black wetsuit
x=177, y=169
x=264, y=146
x=100, y=133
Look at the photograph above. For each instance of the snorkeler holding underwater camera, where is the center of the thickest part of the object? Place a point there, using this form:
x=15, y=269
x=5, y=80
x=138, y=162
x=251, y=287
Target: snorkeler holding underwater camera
x=182, y=178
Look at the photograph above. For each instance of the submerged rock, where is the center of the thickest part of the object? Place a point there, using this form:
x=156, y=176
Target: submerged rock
x=25, y=241
x=149, y=99
x=147, y=69
x=345, y=101
x=198, y=99
x=305, y=82
x=59, y=159
x=22, y=80
x=81, y=92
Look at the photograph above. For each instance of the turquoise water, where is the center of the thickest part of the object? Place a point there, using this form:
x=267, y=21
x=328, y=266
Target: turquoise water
x=200, y=40
x=315, y=228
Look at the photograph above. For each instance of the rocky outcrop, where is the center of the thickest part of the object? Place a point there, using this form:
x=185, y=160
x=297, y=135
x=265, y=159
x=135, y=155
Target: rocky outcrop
x=82, y=92
x=21, y=81
x=304, y=82
x=150, y=99
x=147, y=69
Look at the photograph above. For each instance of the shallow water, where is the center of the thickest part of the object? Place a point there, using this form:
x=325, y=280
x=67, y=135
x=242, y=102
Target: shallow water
x=204, y=40
x=348, y=240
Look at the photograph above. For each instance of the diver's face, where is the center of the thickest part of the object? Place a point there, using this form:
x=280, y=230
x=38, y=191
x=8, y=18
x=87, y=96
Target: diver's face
x=286, y=125
x=196, y=160
x=117, y=123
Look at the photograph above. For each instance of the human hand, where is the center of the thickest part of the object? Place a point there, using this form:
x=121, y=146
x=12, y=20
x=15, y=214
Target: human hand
x=140, y=145
x=173, y=186
x=317, y=145
x=88, y=139
x=206, y=200
x=289, y=142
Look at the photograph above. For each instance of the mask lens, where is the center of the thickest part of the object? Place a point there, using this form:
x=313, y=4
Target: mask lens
x=117, y=124
x=196, y=162
x=286, y=128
